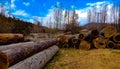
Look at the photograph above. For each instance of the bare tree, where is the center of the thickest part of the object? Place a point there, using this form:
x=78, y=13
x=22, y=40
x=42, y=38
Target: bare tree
x=57, y=17
x=89, y=16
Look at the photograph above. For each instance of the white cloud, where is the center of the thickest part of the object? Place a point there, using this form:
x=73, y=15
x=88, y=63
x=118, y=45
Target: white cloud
x=82, y=13
x=31, y=20
x=97, y=3
x=13, y=4
x=26, y=3
x=21, y=13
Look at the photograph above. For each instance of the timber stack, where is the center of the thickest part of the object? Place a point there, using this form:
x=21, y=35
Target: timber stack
x=108, y=37
x=29, y=55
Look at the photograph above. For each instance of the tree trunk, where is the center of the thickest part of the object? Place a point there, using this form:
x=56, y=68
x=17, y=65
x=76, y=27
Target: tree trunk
x=36, y=61
x=19, y=53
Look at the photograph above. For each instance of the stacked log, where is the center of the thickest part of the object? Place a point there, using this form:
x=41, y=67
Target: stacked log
x=65, y=41
x=85, y=45
x=111, y=44
x=10, y=38
x=100, y=42
x=18, y=53
x=36, y=61
x=108, y=37
x=108, y=31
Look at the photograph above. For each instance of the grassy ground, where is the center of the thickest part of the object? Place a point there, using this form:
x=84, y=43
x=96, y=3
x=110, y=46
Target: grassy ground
x=92, y=59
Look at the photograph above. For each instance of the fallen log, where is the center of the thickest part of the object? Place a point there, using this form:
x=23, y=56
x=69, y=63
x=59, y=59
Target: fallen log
x=108, y=31
x=111, y=44
x=36, y=61
x=100, y=42
x=84, y=45
x=5, y=47
x=19, y=53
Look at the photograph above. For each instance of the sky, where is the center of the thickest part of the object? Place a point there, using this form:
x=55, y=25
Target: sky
x=27, y=10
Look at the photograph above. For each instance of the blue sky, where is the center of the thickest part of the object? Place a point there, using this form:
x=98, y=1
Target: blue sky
x=29, y=9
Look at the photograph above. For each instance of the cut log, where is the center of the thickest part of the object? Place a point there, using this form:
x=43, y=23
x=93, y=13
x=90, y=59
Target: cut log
x=63, y=39
x=3, y=61
x=66, y=39
x=88, y=38
x=83, y=33
x=116, y=37
x=84, y=45
x=10, y=38
x=5, y=47
x=111, y=44
x=70, y=44
x=100, y=42
x=108, y=31
x=74, y=40
x=19, y=53
x=117, y=46
x=94, y=33
x=65, y=45
x=81, y=36
x=36, y=61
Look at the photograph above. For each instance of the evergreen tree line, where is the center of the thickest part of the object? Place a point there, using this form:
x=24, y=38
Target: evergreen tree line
x=14, y=25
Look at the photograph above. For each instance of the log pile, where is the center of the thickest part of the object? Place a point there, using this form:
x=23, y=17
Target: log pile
x=7, y=38
x=108, y=37
x=14, y=53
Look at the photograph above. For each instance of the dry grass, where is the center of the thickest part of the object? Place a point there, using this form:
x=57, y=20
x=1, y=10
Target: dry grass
x=92, y=59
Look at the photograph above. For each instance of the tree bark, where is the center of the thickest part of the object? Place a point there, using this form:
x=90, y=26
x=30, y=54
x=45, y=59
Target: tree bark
x=5, y=47
x=36, y=61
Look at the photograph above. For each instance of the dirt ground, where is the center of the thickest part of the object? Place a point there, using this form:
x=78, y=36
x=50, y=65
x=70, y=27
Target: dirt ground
x=92, y=59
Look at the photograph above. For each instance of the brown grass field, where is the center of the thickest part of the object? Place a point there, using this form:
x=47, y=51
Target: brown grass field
x=91, y=59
